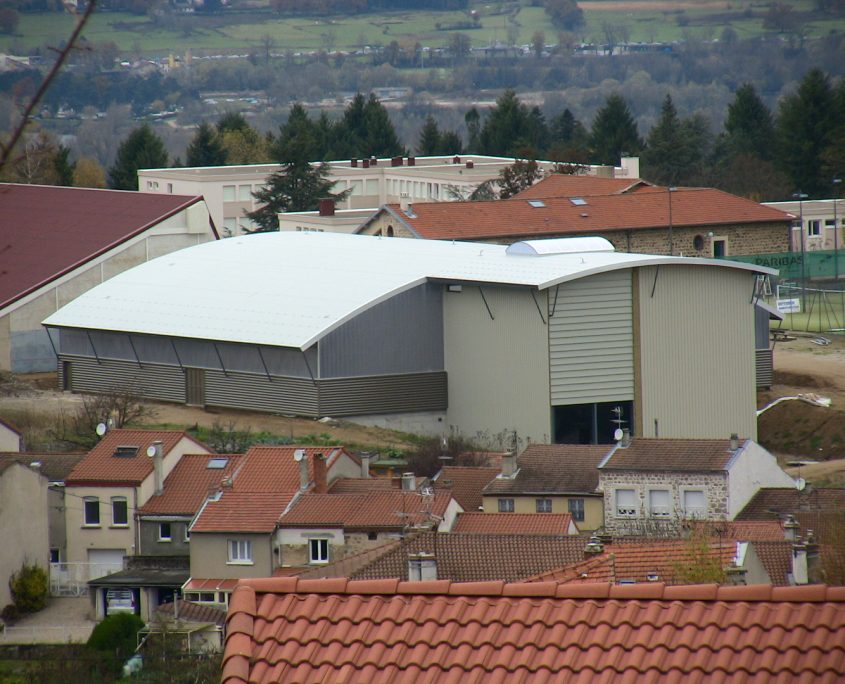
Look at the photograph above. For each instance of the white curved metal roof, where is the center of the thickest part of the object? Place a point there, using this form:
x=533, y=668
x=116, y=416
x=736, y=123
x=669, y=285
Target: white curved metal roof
x=290, y=289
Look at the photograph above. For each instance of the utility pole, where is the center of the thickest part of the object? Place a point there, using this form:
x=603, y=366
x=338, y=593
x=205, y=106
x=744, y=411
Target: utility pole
x=671, y=189
x=801, y=196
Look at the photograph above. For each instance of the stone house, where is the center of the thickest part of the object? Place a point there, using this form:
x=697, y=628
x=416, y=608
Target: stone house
x=650, y=486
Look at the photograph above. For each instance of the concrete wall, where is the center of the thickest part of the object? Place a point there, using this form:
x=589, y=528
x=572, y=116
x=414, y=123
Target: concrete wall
x=498, y=366
x=210, y=556
x=24, y=344
x=714, y=486
x=10, y=440
x=81, y=537
x=23, y=523
x=593, y=507
x=694, y=352
x=752, y=469
x=151, y=545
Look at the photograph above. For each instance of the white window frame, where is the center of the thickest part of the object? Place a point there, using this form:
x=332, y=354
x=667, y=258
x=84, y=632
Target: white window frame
x=814, y=228
x=85, y=521
x=115, y=500
x=240, y=552
x=580, y=504
x=695, y=512
x=660, y=510
x=506, y=505
x=543, y=505
x=318, y=551
x=244, y=193
x=169, y=536
x=631, y=510
x=230, y=193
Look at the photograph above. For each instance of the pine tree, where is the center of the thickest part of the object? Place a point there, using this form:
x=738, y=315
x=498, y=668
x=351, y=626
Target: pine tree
x=381, y=139
x=429, y=142
x=473, y=124
x=205, y=149
x=614, y=132
x=749, y=129
x=806, y=123
x=568, y=139
x=297, y=128
x=142, y=149
x=508, y=128
x=451, y=143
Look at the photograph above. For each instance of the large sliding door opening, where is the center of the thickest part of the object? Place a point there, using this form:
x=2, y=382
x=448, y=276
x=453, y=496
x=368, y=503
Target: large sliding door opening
x=592, y=423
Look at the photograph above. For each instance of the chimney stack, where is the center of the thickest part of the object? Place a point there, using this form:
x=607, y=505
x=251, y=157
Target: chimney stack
x=321, y=485
x=304, y=480
x=790, y=528
x=470, y=164
x=409, y=482
x=373, y=161
x=799, y=563
x=814, y=570
x=158, y=468
x=456, y=159
x=509, y=465
x=366, y=163
x=734, y=441
x=594, y=547
x=396, y=161
x=365, y=464
x=412, y=161
x=404, y=202
x=353, y=163
x=326, y=207
x=626, y=438
x=422, y=567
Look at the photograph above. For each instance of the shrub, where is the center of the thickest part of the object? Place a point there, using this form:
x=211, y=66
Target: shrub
x=10, y=614
x=117, y=634
x=30, y=588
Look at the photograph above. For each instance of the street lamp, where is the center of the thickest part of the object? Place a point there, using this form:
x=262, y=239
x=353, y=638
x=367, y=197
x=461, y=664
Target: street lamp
x=801, y=196
x=836, y=181
x=671, y=189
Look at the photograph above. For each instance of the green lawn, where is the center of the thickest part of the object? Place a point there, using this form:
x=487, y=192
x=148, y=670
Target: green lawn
x=245, y=31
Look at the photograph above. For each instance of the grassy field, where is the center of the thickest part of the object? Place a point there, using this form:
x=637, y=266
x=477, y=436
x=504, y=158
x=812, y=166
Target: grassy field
x=642, y=21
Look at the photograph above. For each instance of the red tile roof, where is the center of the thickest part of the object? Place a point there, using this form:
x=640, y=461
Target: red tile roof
x=356, y=485
x=187, y=611
x=651, y=561
x=189, y=484
x=246, y=512
x=514, y=523
x=48, y=231
x=739, y=530
x=466, y=484
x=570, y=185
x=54, y=466
x=377, y=508
x=554, y=469
x=272, y=468
x=695, y=455
x=335, y=630
x=102, y=467
x=776, y=559
x=204, y=584
x=516, y=219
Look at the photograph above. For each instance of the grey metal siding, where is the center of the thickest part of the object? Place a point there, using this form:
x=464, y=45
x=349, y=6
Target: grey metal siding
x=591, y=356
x=256, y=392
x=165, y=383
x=384, y=394
x=764, y=368
x=401, y=335
x=761, y=328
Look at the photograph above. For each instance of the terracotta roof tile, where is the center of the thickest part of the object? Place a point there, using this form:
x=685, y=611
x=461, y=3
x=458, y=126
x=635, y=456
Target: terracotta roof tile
x=468, y=557
x=554, y=469
x=514, y=523
x=187, y=611
x=821, y=510
x=514, y=219
x=357, y=485
x=699, y=455
x=376, y=508
x=242, y=511
x=55, y=467
x=189, y=484
x=333, y=630
x=206, y=584
x=48, y=231
x=466, y=484
x=739, y=530
x=776, y=558
x=104, y=465
x=569, y=185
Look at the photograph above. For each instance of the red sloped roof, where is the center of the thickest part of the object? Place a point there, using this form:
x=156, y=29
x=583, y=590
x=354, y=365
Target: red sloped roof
x=189, y=483
x=101, y=465
x=700, y=455
x=246, y=512
x=272, y=468
x=48, y=230
x=291, y=629
x=376, y=508
x=517, y=219
x=466, y=484
x=513, y=523
x=569, y=185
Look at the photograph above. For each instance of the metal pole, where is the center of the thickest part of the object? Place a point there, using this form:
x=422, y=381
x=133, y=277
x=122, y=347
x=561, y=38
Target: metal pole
x=800, y=196
x=671, y=245
x=836, y=181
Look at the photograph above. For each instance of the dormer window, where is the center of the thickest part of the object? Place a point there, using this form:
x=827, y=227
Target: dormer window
x=126, y=451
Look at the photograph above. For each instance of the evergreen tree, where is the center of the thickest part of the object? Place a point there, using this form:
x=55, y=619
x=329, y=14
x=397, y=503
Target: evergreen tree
x=205, y=149
x=142, y=149
x=749, y=129
x=675, y=148
x=806, y=123
x=381, y=139
x=429, y=142
x=568, y=139
x=64, y=169
x=297, y=128
x=241, y=143
x=565, y=14
x=451, y=143
x=473, y=124
x=508, y=129
x=297, y=186
x=614, y=132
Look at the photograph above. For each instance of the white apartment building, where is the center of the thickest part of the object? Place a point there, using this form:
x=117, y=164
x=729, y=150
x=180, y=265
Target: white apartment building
x=371, y=183
x=820, y=220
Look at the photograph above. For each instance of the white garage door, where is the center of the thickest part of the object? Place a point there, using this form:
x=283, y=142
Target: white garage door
x=104, y=562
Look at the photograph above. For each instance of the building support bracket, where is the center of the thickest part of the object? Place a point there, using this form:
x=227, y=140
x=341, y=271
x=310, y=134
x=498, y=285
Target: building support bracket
x=52, y=344
x=554, y=306
x=220, y=359
x=134, y=351
x=537, y=304
x=654, y=284
x=176, y=353
x=263, y=363
x=308, y=366
x=93, y=348
x=484, y=299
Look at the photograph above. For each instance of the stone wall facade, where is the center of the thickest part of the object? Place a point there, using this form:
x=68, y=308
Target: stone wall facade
x=353, y=542
x=714, y=486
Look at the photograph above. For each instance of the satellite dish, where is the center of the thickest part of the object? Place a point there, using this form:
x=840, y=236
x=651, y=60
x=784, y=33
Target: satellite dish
x=151, y=451
x=800, y=483
x=298, y=455
x=618, y=434
x=101, y=429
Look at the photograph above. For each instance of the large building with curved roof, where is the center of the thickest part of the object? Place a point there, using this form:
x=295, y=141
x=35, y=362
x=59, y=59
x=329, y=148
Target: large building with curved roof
x=556, y=340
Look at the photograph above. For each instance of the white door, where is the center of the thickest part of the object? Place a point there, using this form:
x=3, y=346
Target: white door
x=104, y=562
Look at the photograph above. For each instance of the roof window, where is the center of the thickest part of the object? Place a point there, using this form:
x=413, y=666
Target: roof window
x=578, y=201
x=217, y=463
x=126, y=451
x=537, y=204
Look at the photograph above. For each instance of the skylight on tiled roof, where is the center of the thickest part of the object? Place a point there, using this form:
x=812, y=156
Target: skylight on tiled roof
x=537, y=204
x=125, y=451
x=578, y=201
x=217, y=463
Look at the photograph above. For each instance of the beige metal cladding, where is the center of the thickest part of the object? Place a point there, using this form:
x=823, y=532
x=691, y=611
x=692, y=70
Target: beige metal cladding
x=591, y=340
x=696, y=350
x=497, y=361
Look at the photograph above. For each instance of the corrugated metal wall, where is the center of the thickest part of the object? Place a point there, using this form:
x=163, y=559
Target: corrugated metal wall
x=765, y=368
x=255, y=392
x=401, y=335
x=384, y=394
x=166, y=383
x=591, y=340
x=697, y=352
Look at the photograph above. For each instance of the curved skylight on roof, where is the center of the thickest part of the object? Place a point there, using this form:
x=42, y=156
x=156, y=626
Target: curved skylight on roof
x=576, y=245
